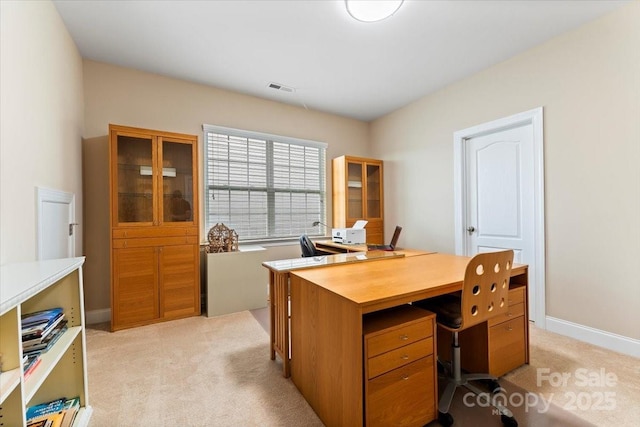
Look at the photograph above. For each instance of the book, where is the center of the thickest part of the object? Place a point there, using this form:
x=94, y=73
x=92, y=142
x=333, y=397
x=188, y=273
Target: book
x=57, y=413
x=71, y=408
x=31, y=366
x=51, y=407
x=50, y=420
x=38, y=317
x=46, y=343
x=40, y=331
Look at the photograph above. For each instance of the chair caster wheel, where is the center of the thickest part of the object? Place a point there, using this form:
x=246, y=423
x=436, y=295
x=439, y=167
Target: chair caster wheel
x=508, y=421
x=445, y=419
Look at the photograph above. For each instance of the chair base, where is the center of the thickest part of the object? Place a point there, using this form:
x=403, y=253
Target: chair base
x=456, y=379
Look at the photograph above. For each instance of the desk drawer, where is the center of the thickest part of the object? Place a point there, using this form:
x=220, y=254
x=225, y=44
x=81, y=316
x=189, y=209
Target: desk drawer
x=506, y=346
x=393, y=359
x=402, y=397
x=514, y=311
x=516, y=295
x=399, y=337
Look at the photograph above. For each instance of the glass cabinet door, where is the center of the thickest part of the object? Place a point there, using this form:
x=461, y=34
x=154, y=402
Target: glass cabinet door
x=177, y=181
x=135, y=179
x=355, y=188
x=374, y=191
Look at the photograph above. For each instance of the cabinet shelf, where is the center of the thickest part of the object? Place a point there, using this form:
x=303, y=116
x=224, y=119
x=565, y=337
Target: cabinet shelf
x=9, y=380
x=49, y=360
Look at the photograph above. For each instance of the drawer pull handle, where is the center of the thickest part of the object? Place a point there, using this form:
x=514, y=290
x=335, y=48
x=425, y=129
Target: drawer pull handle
x=405, y=377
x=404, y=357
x=509, y=314
x=509, y=328
x=404, y=337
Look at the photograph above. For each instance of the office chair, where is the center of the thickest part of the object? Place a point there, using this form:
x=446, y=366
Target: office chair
x=309, y=249
x=484, y=295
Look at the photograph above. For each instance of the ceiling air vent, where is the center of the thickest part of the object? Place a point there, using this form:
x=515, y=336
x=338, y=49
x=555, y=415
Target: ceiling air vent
x=280, y=87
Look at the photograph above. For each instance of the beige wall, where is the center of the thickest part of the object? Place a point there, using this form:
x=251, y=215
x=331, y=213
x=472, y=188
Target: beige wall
x=588, y=82
x=41, y=112
x=134, y=98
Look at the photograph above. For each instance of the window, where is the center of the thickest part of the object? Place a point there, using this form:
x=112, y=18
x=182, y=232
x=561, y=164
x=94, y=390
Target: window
x=265, y=187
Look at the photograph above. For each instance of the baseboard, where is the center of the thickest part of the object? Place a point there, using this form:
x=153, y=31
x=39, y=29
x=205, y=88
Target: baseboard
x=97, y=316
x=604, y=339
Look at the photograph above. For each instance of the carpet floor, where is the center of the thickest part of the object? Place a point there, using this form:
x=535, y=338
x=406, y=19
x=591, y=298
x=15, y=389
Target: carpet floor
x=216, y=372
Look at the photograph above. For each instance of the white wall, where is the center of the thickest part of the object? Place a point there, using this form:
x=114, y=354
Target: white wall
x=41, y=111
x=588, y=82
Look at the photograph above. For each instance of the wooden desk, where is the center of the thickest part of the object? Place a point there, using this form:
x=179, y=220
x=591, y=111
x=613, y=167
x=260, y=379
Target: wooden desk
x=327, y=308
x=331, y=246
x=279, y=291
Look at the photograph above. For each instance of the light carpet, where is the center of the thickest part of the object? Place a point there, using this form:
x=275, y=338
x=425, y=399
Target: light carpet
x=191, y=372
x=216, y=372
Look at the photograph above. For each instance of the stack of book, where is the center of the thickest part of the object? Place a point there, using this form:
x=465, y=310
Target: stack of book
x=57, y=413
x=40, y=330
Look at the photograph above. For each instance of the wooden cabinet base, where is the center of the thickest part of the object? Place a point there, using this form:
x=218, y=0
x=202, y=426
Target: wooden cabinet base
x=402, y=397
x=400, y=371
x=499, y=345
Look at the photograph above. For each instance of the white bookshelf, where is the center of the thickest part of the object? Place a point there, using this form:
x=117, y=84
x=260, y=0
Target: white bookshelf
x=62, y=372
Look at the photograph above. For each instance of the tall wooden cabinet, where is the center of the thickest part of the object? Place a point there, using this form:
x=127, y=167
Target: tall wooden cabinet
x=358, y=194
x=155, y=252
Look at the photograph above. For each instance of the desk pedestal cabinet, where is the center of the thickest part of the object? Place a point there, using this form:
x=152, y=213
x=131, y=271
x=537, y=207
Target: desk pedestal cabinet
x=500, y=344
x=400, y=369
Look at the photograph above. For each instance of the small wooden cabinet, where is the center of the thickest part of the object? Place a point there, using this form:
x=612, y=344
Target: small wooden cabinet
x=155, y=272
x=400, y=367
x=358, y=194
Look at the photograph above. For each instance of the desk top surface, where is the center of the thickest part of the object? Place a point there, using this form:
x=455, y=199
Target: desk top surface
x=363, y=248
x=302, y=263
x=406, y=279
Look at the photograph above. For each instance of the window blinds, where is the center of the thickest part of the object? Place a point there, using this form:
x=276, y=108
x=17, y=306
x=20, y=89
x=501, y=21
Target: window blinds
x=265, y=187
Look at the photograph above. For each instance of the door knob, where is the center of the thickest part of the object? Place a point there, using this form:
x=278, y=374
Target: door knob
x=471, y=229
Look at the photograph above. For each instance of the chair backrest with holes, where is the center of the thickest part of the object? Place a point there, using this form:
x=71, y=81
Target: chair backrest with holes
x=485, y=291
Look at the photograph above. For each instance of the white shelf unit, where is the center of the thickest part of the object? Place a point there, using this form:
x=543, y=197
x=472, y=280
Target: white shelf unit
x=62, y=372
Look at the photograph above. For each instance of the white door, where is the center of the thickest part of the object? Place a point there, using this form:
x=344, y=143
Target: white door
x=500, y=192
x=56, y=224
x=501, y=196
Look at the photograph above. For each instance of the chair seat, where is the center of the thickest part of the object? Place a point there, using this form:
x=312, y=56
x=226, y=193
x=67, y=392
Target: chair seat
x=447, y=309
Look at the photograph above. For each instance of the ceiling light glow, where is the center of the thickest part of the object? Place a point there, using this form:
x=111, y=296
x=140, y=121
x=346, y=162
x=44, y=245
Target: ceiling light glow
x=372, y=10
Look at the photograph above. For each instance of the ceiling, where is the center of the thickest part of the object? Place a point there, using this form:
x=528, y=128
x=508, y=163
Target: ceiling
x=330, y=61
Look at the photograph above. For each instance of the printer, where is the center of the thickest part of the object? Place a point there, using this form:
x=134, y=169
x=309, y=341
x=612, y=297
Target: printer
x=355, y=235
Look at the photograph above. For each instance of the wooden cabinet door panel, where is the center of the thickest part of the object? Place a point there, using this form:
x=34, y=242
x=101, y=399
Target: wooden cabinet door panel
x=179, y=281
x=506, y=346
x=135, y=290
x=402, y=397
